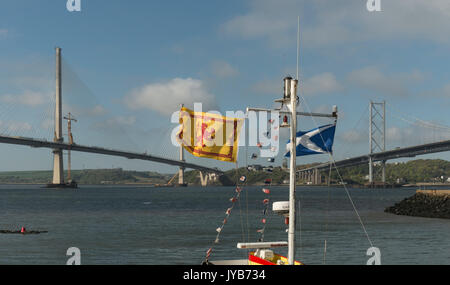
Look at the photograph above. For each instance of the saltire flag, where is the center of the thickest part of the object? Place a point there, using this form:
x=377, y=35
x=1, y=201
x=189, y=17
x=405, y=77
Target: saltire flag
x=315, y=141
x=210, y=135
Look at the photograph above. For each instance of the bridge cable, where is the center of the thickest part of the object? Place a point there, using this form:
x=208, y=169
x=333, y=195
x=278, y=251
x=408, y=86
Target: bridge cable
x=422, y=122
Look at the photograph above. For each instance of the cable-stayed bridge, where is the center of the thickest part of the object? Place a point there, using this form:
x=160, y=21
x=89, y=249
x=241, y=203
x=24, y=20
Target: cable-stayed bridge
x=39, y=143
x=58, y=144
x=377, y=140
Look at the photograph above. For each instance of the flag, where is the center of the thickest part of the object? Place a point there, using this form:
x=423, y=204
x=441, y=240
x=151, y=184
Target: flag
x=315, y=141
x=209, y=135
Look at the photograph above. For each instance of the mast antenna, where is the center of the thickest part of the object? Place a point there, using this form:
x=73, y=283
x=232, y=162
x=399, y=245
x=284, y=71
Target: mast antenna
x=298, y=41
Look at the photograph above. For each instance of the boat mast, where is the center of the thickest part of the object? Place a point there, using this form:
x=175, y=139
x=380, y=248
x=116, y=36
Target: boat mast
x=293, y=155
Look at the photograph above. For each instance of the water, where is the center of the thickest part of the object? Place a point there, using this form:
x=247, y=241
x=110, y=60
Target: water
x=144, y=225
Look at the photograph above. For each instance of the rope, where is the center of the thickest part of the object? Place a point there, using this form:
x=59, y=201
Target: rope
x=327, y=214
x=332, y=160
x=233, y=200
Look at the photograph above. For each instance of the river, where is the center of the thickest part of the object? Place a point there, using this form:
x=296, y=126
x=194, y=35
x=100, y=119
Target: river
x=144, y=225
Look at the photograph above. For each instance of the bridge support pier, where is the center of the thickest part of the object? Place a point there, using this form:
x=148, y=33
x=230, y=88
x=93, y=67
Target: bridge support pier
x=181, y=171
x=317, y=177
x=58, y=169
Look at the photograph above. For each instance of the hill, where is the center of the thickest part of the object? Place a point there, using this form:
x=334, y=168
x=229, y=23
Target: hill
x=411, y=172
x=87, y=176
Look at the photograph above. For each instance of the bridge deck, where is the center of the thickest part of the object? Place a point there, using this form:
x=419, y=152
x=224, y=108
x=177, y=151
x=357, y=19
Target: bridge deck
x=99, y=150
x=410, y=151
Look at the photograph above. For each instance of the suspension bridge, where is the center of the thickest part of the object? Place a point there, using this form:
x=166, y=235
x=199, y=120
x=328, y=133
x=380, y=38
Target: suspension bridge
x=378, y=154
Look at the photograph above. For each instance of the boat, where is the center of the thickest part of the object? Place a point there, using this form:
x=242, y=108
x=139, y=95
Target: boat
x=263, y=252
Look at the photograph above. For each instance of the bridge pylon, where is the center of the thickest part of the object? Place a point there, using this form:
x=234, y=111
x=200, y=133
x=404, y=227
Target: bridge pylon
x=181, y=170
x=58, y=168
x=377, y=139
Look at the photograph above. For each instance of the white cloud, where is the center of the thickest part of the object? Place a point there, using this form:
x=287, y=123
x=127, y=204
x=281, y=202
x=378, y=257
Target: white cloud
x=166, y=97
x=325, y=22
x=123, y=120
x=320, y=84
x=353, y=137
x=223, y=69
x=266, y=19
x=269, y=87
x=395, y=84
x=13, y=126
x=29, y=98
x=82, y=111
x=442, y=92
x=3, y=33
x=116, y=124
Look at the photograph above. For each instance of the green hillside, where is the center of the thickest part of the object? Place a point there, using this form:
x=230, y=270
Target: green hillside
x=416, y=171
x=87, y=176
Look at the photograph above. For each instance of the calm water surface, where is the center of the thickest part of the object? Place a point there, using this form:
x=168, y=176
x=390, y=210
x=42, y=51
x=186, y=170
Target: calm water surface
x=145, y=225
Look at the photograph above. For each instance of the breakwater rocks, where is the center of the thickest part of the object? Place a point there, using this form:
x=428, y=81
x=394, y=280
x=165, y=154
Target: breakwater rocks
x=425, y=203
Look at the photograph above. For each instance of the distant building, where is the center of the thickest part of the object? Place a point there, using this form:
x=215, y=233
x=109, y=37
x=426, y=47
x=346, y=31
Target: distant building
x=254, y=167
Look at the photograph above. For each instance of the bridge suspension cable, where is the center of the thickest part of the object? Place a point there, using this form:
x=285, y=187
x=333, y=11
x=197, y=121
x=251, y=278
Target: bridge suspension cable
x=416, y=121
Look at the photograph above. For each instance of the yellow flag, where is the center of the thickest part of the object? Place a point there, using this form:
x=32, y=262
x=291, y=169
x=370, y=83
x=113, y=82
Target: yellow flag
x=210, y=135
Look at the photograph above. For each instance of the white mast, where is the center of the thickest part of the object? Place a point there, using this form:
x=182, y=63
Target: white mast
x=293, y=155
x=290, y=100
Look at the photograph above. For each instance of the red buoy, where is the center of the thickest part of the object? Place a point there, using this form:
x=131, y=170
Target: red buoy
x=23, y=230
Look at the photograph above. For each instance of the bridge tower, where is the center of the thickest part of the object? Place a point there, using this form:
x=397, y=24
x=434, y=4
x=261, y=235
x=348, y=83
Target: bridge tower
x=377, y=137
x=58, y=169
x=181, y=170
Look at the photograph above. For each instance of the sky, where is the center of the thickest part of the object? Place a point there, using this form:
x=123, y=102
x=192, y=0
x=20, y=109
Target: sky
x=128, y=65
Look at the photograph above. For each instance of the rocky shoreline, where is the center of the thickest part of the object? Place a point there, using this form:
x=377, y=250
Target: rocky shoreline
x=424, y=203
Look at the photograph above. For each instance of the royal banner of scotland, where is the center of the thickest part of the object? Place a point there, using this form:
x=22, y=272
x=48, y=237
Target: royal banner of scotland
x=315, y=141
x=209, y=135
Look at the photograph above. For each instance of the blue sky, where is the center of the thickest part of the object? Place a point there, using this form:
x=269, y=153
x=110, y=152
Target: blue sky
x=127, y=65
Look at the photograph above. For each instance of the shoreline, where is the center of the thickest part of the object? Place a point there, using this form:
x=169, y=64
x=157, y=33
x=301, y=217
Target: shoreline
x=424, y=203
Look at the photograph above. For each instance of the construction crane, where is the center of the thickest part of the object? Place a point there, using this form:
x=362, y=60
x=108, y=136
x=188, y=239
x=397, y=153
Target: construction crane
x=171, y=179
x=69, y=119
